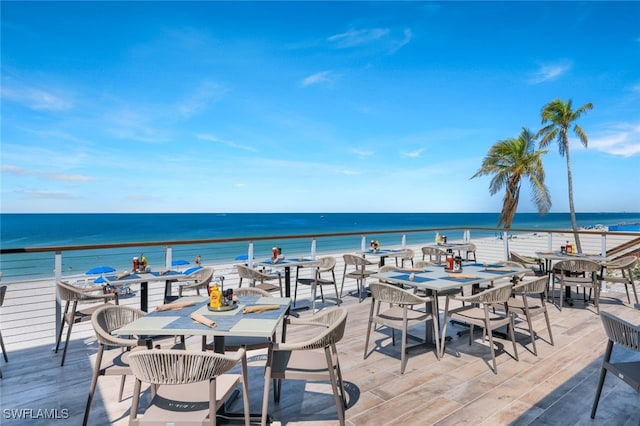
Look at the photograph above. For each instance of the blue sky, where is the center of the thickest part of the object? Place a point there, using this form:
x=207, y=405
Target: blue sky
x=309, y=107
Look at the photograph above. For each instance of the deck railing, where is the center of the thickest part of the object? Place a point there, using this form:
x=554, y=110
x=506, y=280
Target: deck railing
x=32, y=311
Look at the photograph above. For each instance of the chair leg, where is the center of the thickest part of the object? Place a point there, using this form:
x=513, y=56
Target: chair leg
x=265, y=395
x=4, y=351
x=122, y=380
x=369, y=325
x=403, y=348
x=94, y=382
x=334, y=385
x=62, y=323
x=546, y=317
x=532, y=333
x=493, y=351
x=603, y=373
x=512, y=329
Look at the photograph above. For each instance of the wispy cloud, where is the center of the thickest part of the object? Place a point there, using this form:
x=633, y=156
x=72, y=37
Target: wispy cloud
x=362, y=153
x=206, y=93
x=15, y=170
x=383, y=36
x=47, y=175
x=412, y=154
x=322, y=77
x=550, y=72
x=353, y=37
x=69, y=178
x=231, y=144
x=48, y=195
x=35, y=98
x=621, y=139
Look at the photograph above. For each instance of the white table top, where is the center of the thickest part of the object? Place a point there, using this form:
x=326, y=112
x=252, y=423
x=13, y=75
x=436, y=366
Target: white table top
x=228, y=323
x=437, y=279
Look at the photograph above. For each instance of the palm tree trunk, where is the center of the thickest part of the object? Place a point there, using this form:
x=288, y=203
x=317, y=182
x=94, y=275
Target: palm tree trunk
x=572, y=211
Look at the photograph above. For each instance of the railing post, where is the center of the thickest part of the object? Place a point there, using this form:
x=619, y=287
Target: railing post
x=505, y=238
x=313, y=248
x=168, y=257
x=250, y=255
x=550, y=241
x=404, y=240
x=603, y=245
x=362, y=243
x=58, y=276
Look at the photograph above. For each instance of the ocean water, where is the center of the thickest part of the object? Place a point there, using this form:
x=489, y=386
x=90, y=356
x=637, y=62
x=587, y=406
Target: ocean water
x=47, y=230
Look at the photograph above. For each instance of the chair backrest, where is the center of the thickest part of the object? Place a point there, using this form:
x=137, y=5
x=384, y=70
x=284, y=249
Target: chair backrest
x=422, y=264
x=536, y=286
x=251, y=291
x=247, y=273
x=472, y=247
x=335, y=321
x=627, y=262
x=327, y=263
x=69, y=292
x=203, y=275
x=408, y=255
x=3, y=291
x=577, y=265
x=176, y=366
x=389, y=293
x=515, y=257
x=108, y=318
x=620, y=331
x=493, y=295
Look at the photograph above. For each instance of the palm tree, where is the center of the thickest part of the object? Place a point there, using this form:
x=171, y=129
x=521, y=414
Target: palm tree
x=510, y=161
x=560, y=116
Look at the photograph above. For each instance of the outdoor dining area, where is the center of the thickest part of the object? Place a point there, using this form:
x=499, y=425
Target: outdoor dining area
x=312, y=340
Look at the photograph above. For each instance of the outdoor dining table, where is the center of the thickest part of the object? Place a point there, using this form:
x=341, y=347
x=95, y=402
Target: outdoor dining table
x=437, y=280
x=231, y=322
x=383, y=253
x=143, y=279
x=286, y=264
x=450, y=246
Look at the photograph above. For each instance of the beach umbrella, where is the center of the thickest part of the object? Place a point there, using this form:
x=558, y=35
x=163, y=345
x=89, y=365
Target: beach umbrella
x=100, y=270
x=179, y=262
x=243, y=257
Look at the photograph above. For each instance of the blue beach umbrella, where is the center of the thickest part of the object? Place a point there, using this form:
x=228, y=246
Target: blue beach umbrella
x=243, y=257
x=100, y=270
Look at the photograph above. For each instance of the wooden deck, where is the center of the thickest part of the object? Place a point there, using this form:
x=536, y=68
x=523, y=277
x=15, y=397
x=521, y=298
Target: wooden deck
x=555, y=387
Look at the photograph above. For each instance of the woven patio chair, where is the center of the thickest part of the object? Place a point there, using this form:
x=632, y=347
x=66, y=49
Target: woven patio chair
x=626, y=266
x=627, y=335
x=72, y=296
x=536, y=264
x=259, y=279
x=314, y=359
x=478, y=310
x=327, y=267
x=359, y=272
x=406, y=256
x=197, y=280
x=530, y=301
x=436, y=255
x=113, y=351
x=579, y=273
x=471, y=250
x=400, y=315
x=190, y=385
